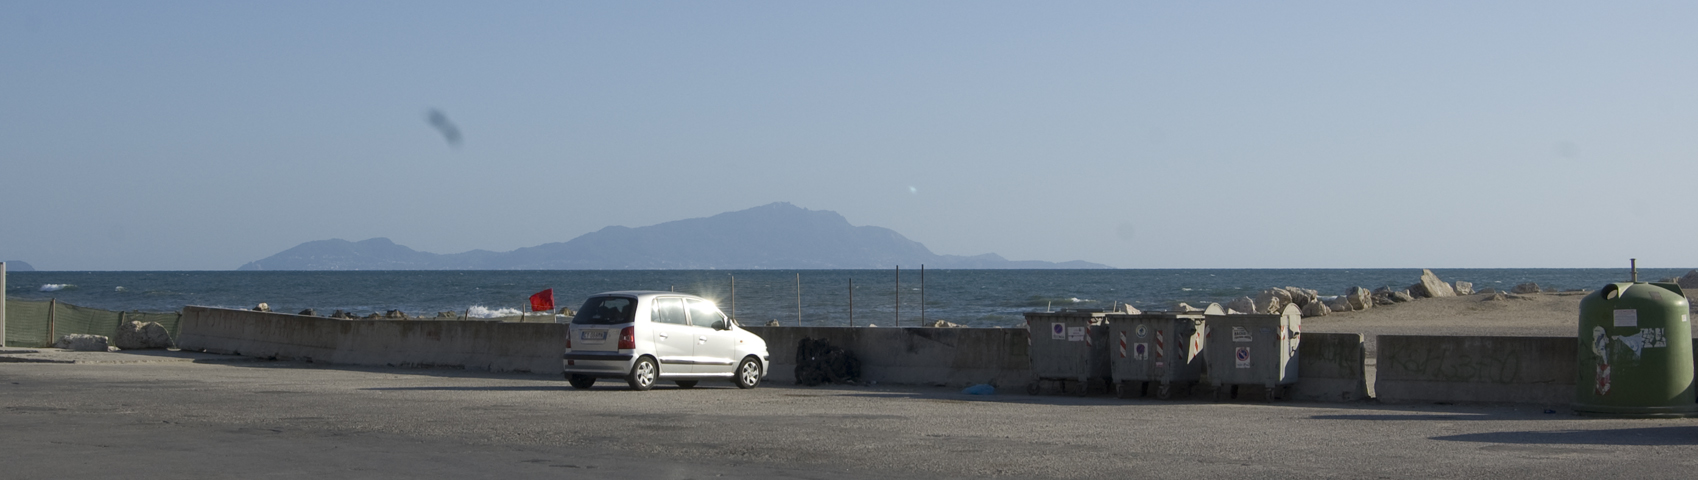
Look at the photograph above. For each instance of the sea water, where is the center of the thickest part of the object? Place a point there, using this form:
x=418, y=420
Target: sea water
x=980, y=298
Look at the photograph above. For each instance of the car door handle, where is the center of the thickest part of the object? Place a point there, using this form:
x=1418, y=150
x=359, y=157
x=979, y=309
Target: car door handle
x=662, y=335
x=701, y=339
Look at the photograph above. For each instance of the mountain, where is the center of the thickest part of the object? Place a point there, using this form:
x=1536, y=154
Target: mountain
x=18, y=266
x=774, y=236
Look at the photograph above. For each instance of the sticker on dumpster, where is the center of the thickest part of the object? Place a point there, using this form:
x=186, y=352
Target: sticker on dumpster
x=1240, y=334
x=1603, y=386
x=1242, y=356
x=1195, y=347
x=1075, y=334
x=1627, y=318
x=1142, y=330
x=1655, y=337
x=1141, y=351
x=1057, y=331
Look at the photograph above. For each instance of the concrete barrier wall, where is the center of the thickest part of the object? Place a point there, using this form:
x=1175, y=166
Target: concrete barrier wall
x=1413, y=368
x=493, y=346
x=1331, y=368
x=913, y=356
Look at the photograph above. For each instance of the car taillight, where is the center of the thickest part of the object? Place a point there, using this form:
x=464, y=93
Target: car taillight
x=628, y=338
x=568, y=339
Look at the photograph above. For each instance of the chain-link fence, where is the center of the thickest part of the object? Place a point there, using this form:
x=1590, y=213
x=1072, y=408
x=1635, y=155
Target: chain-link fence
x=37, y=324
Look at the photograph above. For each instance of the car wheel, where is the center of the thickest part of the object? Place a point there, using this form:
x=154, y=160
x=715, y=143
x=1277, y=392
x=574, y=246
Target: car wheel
x=748, y=373
x=581, y=381
x=643, y=374
x=686, y=383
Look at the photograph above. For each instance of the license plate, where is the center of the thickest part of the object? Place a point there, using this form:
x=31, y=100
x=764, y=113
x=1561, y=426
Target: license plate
x=596, y=335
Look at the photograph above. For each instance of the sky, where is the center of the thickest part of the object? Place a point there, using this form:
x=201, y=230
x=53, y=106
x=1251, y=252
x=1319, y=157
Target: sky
x=203, y=135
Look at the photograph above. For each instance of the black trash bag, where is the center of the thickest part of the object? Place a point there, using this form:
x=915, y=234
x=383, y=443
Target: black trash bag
x=818, y=361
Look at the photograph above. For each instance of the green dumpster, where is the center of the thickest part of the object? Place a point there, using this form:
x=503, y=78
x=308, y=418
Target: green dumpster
x=1635, y=356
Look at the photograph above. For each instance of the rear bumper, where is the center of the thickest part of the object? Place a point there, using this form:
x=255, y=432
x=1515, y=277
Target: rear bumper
x=599, y=356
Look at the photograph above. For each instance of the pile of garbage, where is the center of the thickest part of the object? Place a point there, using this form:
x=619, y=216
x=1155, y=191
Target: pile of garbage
x=818, y=361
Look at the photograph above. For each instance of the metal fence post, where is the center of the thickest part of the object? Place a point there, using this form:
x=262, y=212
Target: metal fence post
x=52, y=317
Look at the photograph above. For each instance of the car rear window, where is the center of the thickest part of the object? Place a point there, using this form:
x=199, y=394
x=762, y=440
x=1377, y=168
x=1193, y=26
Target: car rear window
x=606, y=311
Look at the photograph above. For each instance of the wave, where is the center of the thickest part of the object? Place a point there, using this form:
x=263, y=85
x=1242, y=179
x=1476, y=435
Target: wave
x=1039, y=301
x=480, y=311
x=54, y=287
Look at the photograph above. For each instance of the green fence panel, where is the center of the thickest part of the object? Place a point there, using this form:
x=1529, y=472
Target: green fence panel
x=26, y=323
x=70, y=319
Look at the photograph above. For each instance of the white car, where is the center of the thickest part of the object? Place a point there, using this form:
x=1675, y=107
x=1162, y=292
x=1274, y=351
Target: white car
x=646, y=336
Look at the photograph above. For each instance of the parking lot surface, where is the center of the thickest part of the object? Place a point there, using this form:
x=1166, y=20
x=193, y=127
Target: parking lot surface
x=182, y=419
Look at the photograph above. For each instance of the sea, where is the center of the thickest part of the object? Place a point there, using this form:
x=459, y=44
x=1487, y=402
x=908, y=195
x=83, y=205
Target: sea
x=905, y=297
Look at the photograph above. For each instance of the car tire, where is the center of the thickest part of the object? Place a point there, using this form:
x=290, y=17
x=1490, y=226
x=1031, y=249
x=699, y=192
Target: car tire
x=643, y=374
x=686, y=383
x=748, y=373
x=581, y=382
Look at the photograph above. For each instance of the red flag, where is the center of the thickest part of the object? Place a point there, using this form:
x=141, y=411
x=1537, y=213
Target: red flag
x=543, y=301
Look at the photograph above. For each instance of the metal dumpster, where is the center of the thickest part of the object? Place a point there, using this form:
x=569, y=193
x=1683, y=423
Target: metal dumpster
x=1253, y=349
x=1634, y=356
x=1069, y=347
x=1160, y=347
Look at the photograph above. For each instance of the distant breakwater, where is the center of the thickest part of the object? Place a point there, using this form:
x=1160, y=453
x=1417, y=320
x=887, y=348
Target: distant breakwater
x=980, y=298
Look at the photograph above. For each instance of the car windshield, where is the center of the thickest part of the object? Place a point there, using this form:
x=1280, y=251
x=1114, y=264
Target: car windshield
x=607, y=311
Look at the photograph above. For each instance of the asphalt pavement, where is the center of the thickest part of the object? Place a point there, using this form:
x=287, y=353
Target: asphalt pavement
x=171, y=415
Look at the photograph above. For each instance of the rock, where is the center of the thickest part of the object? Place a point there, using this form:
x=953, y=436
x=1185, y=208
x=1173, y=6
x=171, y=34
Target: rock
x=1302, y=296
x=308, y=312
x=943, y=324
x=775, y=323
x=1689, y=280
x=1273, y=300
x=1359, y=298
x=1340, y=304
x=1242, y=305
x=446, y=315
x=141, y=336
x=342, y=315
x=1464, y=288
x=1495, y=296
x=1431, y=286
x=1526, y=288
x=373, y=316
x=83, y=342
x=1402, y=296
x=1185, y=308
x=262, y=307
x=1316, y=309
x=1383, y=300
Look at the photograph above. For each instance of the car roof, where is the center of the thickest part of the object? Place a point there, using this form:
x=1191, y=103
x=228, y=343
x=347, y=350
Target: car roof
x=648, y=293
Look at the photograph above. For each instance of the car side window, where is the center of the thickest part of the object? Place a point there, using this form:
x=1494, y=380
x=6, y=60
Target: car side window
x=668, y=310
x=704, y=314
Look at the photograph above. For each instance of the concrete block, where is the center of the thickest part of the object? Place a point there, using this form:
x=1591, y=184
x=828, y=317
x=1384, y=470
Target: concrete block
x=913, y=356
x=1331, y=367
x=1413, y=368
x=493, y=346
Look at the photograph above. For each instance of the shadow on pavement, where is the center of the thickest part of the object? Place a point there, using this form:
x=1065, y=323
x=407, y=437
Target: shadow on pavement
x=1619, y=436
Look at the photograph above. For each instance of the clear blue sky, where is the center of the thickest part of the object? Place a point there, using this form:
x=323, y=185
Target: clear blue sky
x=203, y=135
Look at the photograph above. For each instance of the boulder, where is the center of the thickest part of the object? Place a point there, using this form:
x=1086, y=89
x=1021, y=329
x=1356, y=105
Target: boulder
x=83, y=342
x=1340, y=304
x=1402, y=296
x=1526, y=288
x=775, y=323
x=1185, y=308
x=1494, y=296
x=1242, y=305
x=943, y=324
x=1359, y=298
x=1273, y=300
x=447, y=315
x=1464, y=288
x=1302, y=296
x=308, y=312
x=262, y=307
x=373, y=316
x=141, y=336
x=395, y=315
x=1431, y=286
x=339, y=313
x=1689, y=280
x=1127, y=308
x=1316, y=309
